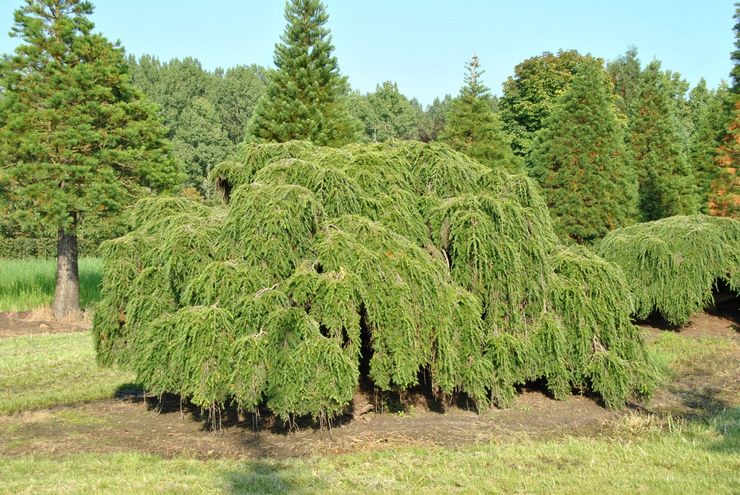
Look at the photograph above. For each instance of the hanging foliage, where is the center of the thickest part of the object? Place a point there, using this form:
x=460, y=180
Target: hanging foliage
x=404, y=256
x=672, y=265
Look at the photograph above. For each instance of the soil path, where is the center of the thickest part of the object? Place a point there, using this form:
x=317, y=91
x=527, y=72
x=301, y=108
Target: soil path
x=13, y=324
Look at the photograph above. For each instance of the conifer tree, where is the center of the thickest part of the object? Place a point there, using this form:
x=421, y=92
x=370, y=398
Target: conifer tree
x=77, y=140
x=667, y=185
x=625, y=73
x=709, y=119
x=306, y=95
x=473, y=128
x=724, y=197
x=579, y=159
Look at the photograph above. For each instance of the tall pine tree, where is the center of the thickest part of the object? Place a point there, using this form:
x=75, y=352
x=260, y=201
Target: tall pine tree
x=473, y=128
x=76, y=139
x=306, y=95
x=580, y=159
x=666, y=181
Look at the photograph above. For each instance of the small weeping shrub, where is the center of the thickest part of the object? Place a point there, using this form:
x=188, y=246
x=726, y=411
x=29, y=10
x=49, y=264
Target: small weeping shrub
x=446, y=268
x=672, y=264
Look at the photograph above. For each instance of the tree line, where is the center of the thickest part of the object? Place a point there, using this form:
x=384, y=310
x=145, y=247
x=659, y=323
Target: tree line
x=85, y=130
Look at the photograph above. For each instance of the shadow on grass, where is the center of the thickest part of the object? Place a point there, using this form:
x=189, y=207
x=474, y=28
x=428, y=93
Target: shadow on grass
x=260, y=477
x=727, y=424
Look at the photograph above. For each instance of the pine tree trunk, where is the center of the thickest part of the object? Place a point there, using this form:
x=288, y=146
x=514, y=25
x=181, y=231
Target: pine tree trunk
x=67, y=293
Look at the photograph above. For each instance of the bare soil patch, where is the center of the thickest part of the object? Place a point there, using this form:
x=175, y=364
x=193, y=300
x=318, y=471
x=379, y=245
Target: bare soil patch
x=131, y=423
x=38, y=322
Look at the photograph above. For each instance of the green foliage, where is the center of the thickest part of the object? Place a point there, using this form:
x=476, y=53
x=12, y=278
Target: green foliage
x=415, y=252
x=77, y=138
x=235, y=94
x=200, y=142
x=672, y=265
x=387, y=114
x=580, y=160
x=530, y=94
x=434, y=118
x=306, y=96
x=206, y=113
x=30, y=247
x=709, y=118
x=473, y=128
x=666, y=182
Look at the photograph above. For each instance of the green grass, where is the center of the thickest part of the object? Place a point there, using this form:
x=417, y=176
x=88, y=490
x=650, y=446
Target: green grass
x=27, y=284
x=48, y=370
x=639, y=454
x=693, y=458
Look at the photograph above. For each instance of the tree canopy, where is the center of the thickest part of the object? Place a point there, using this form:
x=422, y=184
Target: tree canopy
x=306, y=97
x=473, y=128
x=530, y=94
x=581, y=162
x=77, y=139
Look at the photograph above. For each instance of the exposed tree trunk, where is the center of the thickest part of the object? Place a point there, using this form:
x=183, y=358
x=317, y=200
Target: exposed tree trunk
x=67, y=293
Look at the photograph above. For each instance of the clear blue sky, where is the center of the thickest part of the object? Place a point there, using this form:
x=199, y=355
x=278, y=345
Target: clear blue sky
x=423, y=45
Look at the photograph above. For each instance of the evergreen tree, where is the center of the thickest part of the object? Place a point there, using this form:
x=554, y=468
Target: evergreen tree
x=77, y=140
x=666, y=182
x=531, y=93
x=393, y=115
x=708, y=121
x=724, y=197
x=306, y=95
x=474, y=129
x=625, y=73
x=200, y=142
x=579, y=159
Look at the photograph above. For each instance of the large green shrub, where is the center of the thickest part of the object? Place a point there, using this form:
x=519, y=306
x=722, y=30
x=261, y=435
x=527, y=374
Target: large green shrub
x=437, y=262
x=673, y=264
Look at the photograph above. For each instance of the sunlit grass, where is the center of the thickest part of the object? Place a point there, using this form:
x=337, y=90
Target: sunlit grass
x=27, y=284
x=48, y=370
x=696, y=458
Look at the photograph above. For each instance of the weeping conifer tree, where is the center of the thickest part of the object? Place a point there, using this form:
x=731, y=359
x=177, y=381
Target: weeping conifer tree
x=408, y=257
x=580, y=160
x=673, y=265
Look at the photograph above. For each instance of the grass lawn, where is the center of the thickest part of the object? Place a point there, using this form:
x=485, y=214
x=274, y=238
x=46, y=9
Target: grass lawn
x=27, y=284
x=46, y=370
x=639, y=453
x=635, y=458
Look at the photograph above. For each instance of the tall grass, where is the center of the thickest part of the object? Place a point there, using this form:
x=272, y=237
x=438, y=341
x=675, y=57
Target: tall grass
x=27, y=284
